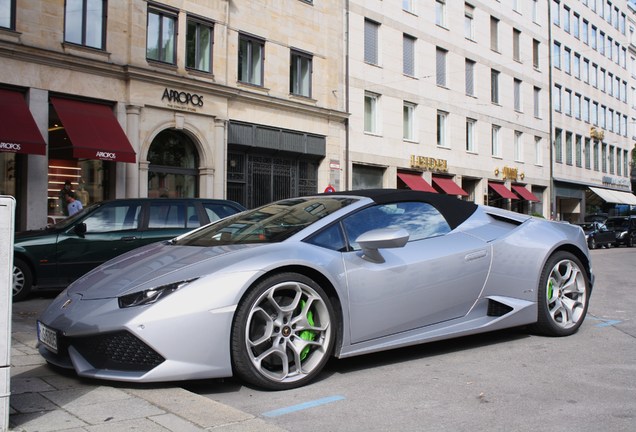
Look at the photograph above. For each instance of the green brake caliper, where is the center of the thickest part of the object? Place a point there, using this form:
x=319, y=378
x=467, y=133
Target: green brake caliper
x=550, y=289
x=308, y=335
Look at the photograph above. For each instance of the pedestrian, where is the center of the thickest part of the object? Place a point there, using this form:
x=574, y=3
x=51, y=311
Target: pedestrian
x=66, y=189
x=73, y=205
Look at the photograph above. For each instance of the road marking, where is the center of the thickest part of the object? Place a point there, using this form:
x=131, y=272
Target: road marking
x=605, y=323
x=302, y=406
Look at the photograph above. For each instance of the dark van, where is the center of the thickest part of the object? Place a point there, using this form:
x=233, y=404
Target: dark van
x=54, y=257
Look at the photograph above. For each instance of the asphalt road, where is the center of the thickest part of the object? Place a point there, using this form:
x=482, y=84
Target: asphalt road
x=504, y=381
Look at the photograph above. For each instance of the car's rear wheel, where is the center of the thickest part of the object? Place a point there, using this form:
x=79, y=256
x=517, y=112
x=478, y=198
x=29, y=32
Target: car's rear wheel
x=591, y=243
x=283, y=332
x=563, y=295
x=22, y=279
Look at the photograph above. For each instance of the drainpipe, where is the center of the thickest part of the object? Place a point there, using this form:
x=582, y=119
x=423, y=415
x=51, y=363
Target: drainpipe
x=346, y=170
x=550, y=117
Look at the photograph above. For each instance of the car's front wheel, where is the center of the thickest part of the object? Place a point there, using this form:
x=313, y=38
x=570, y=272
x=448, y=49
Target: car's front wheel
x=591, y=243
x=563, y=295
x=22, y=279
x=283, y=332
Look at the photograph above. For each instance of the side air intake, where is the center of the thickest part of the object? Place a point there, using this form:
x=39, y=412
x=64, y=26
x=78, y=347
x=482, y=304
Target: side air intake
x=497, y=309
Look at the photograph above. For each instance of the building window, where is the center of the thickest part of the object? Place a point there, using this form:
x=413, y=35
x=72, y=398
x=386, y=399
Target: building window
x=604, y=157
x=537, y=102
x=566, y=19
x=518, y=146
x=494, y=86
x=470, y=77
x=442, y=129
x=556, y=55
x=557, y=98
x=556, y=12
x=441, y=66
x=85, y=22
x=471, y=146
x=250, y=60
x=495, y=142
x=536, y=53
x=161, y=37
x=538, y=151
x=300, y=70
x=517, y=95
x=576, y=23
x=408, y=5
x=577, y=66
x=568, y=148
x=371, y=31
x=7, y=14
x=567, y=102
x=535, y=11
x=516, y=45
x=408, y=55
x=409, y=121
x=469, y=22
x=585, y=110
x=588, y=153
x=595, y=156
x=199, y=40
x=578, y=150
x=576, y=106
x=567, y=62
x=494, y=34
x=558, y=145
x=440, y=12
x=371, y=112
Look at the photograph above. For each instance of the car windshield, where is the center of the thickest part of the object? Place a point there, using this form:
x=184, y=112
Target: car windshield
x=65, y=223
x=273, y=222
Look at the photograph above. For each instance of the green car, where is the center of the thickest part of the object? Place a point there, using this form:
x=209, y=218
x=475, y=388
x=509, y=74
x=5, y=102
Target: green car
x=52, y=258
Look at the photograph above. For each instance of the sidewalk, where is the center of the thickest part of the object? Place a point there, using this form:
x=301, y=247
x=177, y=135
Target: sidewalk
x=43, y=399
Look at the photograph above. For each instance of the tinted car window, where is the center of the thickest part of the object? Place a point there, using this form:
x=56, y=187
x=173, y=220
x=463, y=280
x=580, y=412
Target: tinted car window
x=218, y=211
x=330, y=238
x=167, y=215
x=421, y=220
x=110, y=218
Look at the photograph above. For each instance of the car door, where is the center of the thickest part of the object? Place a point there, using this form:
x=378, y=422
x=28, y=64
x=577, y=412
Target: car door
x=110, y=231
x=437, y=276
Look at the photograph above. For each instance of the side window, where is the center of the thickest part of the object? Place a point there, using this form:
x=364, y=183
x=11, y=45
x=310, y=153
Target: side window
x=421, y=220
x=192, y=218
x=166, y=214
x=330, y=238
x=113, y=218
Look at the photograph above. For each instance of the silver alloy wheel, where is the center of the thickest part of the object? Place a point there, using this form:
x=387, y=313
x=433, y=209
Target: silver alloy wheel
x=288, y=332
x=18, y=280
x=566, y=295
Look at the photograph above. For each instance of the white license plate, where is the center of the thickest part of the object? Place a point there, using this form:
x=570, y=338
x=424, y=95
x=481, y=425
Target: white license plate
x=47, y=336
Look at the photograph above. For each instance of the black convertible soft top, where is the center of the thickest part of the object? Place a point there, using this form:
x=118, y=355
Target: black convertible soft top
x=454, y=210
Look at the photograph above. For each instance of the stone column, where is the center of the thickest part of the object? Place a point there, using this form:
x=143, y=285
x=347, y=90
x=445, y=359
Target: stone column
x=220, y=158
x=35, y=196
x=133, y=185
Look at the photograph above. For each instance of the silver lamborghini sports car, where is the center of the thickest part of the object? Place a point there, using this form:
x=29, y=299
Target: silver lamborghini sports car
x=270, y=294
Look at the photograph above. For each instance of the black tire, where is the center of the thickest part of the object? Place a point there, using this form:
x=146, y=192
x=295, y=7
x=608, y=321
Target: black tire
x=22, y=280
x=631, y=240
x=591, y=244
x=283, y=332
x=564, y=292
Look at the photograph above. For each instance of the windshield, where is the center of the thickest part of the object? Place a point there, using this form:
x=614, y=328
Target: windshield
x=273, y=222
x=65, y=223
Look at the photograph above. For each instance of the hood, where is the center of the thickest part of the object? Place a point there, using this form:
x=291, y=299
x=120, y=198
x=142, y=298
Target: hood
x=151, y=266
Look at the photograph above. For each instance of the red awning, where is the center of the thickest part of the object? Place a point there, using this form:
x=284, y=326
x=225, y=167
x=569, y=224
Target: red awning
x=416, y=182
x=525, y=193
x=94, y=131
x=502, y=190
x=449, y=186
x=18, y=131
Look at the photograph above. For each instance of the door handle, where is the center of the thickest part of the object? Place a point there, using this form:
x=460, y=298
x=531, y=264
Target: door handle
x=475, y=255
x=129, y=238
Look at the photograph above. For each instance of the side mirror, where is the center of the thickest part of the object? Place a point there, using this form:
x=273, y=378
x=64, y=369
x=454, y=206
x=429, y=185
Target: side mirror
x=80, y=229
x=382, y=238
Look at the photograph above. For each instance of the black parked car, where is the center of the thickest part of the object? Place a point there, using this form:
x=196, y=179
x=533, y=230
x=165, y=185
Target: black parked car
x=54, y=257
x=597, y=234
x=625, y=229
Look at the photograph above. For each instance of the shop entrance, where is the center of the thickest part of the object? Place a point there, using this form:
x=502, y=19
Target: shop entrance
x=173, y=170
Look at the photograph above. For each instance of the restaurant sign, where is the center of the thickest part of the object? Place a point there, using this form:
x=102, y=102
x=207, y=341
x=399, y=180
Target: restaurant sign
x=182, y=100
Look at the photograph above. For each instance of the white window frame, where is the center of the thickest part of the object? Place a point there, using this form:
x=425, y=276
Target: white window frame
x=518, y=146
x=409, y=129
x=442, y=128
x=372, y=113
x=440, y=13
x=471, y=135
x=495, y=141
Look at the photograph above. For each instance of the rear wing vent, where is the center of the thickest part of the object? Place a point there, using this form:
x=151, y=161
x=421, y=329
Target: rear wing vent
x=505, y=219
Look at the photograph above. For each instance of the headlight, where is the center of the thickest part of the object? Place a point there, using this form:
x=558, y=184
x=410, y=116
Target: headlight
x=150, y=296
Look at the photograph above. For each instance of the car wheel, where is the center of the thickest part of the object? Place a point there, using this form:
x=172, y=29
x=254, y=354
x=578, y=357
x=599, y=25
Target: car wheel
x=283, y=332
x=630, y=240
x=22, y=279
x=591, y=244
x=563, y=296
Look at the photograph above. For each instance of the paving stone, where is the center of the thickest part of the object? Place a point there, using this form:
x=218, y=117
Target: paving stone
x=28, y=385
x=31, y=402
x=253, y=425
x=85, y=395
x=115, y=411
x=174, y=423
x=47, y=421
x=138, y=425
